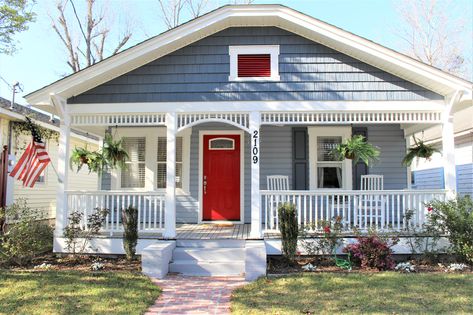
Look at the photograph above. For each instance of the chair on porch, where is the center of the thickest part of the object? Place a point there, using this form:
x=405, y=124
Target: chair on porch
x=371, y=207
x=276, y=182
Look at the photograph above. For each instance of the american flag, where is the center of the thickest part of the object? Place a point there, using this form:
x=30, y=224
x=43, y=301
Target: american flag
x=33, y=161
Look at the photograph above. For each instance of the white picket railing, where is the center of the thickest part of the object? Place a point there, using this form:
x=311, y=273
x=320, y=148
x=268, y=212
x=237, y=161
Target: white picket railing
x=150, y=207
x=382, y=209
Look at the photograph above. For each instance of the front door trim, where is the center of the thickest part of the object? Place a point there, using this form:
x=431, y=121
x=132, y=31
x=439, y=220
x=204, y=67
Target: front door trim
x=241, y=133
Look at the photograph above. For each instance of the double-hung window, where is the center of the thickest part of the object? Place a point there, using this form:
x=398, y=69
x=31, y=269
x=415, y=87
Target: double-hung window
x=327, y=172
x=161, y=162
x=133, y=175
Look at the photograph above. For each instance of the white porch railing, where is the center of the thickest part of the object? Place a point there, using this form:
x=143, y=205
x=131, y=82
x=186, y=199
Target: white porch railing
x=150, y=207
x=383, y=209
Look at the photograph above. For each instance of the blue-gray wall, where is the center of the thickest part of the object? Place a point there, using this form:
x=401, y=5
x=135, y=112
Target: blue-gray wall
x=433, y=178
x=308, y=70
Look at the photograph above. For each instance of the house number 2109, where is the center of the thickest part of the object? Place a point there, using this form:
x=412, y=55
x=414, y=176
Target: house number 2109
x=255, y=149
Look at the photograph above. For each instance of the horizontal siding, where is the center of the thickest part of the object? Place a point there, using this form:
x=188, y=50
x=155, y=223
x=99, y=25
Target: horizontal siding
x=465, y=179
x=390, y=141
x=434, y=179
x=308, y=71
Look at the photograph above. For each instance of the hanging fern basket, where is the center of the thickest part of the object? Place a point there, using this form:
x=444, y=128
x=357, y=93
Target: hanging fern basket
x=420, y=150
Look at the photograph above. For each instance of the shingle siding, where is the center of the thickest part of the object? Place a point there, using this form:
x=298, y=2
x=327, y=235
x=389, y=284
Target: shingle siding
x=308, y=71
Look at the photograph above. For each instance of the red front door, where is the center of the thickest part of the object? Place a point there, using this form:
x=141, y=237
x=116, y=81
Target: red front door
x=221, y=177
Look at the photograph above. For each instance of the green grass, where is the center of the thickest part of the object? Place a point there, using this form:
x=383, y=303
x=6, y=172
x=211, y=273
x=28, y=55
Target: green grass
x=74, y=292
x=377, y=293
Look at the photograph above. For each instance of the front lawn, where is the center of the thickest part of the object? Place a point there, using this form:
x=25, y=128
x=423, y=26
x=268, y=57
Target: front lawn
x=380, y=293
x=75, y=292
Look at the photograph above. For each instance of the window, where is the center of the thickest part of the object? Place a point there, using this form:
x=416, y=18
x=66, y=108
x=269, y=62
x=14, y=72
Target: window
x=329, y=170
x=161, y=162
x=133, y=176
x=326, y=172
x=222, y=144
x=258, y=63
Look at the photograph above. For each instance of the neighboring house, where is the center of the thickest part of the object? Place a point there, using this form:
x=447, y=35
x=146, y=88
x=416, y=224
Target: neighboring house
x=212, y=108
x=430, y=174
x=44, y=194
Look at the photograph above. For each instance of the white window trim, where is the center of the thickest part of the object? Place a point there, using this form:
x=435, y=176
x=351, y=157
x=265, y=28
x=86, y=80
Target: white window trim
x=241, y=133
x=272, y=50
x=151, y=135
x=340, y=131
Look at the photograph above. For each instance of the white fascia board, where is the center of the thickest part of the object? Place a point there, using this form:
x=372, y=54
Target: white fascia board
x=254, y=15
x=262, y=106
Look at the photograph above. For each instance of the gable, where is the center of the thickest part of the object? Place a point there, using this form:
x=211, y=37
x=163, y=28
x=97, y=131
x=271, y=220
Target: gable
x=309, y=72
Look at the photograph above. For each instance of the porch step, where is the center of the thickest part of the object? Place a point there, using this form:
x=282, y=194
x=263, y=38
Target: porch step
x=209, y=258
x=209, y=254
x=207, y=268
x=211, y=243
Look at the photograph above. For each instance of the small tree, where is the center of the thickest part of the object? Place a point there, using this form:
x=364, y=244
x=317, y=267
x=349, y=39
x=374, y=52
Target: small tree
x=79, y=235
x=130, y=235
x=289, y=230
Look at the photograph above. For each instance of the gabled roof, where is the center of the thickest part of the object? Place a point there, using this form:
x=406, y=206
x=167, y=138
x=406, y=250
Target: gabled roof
x=254, y=15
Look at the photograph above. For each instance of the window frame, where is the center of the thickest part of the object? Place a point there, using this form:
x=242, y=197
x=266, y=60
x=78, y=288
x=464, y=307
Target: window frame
x=340, y=131
x=151, y=166
x=272, y=50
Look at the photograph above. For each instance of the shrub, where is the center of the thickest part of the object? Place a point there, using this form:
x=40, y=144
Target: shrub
x=372, y=251
x=130, y=235
x=325, y=244
x=77, y=235
x=289, y=230
x=455, y=219
x=26, y=235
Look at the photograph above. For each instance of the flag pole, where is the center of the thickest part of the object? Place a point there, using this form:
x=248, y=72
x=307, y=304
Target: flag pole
x=55, y=171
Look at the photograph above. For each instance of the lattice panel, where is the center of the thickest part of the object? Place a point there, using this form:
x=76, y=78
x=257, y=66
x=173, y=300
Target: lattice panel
x=238, y=119
x=352, y=117
x=119, y=119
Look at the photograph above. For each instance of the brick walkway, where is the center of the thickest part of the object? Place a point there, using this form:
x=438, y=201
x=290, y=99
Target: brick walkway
x=195, y=295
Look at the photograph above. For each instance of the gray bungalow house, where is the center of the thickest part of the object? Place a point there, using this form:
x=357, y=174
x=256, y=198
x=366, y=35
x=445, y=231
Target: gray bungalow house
x=228, y=115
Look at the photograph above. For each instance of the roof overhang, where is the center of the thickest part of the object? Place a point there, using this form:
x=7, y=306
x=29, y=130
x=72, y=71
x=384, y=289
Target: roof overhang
x=254, y=15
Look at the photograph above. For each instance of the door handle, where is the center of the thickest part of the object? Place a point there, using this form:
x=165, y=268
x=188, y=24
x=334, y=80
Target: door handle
x=205, y=184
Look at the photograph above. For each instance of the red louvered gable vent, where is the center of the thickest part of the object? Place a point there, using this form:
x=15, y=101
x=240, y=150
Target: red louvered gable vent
x=254, y=65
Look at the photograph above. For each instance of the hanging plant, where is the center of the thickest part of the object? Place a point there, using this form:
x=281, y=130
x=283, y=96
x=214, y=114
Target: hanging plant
x=113, y=152
x=356, y=148
x=112, y=156
x=419, y=150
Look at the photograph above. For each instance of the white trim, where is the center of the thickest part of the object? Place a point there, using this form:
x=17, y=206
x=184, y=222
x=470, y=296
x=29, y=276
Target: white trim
x=264, y=106
x=339, y=131
x=272, y=50
x=254, y=15
x=241, y=133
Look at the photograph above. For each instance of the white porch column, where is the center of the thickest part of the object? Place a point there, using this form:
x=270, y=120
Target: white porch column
x=255, y=120
x=448, y=151
x=448, y=145
x=170, y=208
x=63, y=175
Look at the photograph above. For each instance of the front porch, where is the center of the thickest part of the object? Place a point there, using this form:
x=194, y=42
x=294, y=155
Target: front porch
x=166, y=179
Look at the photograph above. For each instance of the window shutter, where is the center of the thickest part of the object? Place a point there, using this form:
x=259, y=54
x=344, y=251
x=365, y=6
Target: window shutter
x=254, y=65
x=300, y=158
x=133, y=176
x=359, y=168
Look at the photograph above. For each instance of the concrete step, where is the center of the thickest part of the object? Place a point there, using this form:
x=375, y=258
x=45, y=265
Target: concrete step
x=207, y=268
x=209, y=254
x=211, y=243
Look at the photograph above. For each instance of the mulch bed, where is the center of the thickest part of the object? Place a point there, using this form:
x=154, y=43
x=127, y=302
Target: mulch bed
x=83, y=263
x=277, y=265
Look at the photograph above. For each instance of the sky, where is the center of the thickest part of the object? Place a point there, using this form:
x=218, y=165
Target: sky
x=41, y=58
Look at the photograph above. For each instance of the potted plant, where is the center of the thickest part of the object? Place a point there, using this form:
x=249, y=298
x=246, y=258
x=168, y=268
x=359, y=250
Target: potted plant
x=419, y=150
x=113, y=152
x=79, y=157
x=356, y=148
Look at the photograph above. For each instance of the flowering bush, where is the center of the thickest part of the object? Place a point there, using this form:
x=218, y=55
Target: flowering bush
x=96, y=266
x=372, y=251
x=454, y=218
x=313, y=244
x=406, y=267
